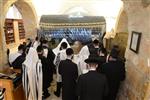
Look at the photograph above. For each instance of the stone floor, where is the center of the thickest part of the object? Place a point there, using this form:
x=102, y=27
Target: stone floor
x=53, y=97
x=52, y=89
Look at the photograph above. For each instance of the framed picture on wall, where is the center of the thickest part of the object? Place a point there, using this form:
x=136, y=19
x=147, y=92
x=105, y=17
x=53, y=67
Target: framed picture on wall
x=135, y=41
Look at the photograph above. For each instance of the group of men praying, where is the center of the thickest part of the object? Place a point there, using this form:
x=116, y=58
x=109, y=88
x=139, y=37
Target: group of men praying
x=92, y=74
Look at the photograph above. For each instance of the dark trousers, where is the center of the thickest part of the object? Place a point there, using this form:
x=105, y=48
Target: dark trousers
x=59, y=86
x=45, y=92
x=113, y=90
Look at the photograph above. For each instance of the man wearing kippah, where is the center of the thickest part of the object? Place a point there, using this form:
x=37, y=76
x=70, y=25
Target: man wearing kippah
x=69, y=73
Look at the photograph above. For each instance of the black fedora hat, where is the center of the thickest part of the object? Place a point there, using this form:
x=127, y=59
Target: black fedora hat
x=93, y=58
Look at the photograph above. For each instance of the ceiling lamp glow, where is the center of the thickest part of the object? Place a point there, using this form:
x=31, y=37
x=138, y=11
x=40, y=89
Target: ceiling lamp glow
x=77, y=15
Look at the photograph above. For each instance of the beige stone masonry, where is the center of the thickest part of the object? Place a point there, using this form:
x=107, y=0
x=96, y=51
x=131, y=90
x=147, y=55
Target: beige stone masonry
x=30, y=22
x=136, y=85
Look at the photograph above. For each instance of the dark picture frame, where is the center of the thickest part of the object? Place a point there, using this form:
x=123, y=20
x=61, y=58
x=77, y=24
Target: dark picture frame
x=135, y=41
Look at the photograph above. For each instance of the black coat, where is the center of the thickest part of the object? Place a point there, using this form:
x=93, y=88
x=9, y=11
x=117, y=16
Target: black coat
x=92, y=49
x=92, y=86
x=17, y=64
x=115, y=72
x=69, y=72
x=50, y=58
x=102, y=60
x=47, y=72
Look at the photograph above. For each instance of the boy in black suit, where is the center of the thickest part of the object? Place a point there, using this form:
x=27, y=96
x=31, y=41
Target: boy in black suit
x=69, y=72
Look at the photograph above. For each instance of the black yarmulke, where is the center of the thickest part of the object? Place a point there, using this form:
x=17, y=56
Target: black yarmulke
x=69, y=51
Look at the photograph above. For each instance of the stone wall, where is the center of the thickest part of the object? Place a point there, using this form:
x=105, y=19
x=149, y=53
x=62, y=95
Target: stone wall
x=120, y=40
x=137, y=83
x=122, y=25
x=121, y=32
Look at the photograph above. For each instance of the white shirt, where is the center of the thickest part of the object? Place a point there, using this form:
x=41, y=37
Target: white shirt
x=45, y=52
x=13, y=56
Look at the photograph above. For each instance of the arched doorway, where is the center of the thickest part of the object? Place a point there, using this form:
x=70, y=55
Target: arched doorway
x=121, y=30
x=29, y=16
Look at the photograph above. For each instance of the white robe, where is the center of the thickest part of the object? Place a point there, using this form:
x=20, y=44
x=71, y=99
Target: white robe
x=32, y=76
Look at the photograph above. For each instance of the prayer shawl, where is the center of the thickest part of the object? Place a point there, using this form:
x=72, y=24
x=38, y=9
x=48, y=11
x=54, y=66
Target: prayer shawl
x=61, y=55
x=83, y=54
x=2, y=91
x=32, y=76
x=57, y=49
x=35, y=44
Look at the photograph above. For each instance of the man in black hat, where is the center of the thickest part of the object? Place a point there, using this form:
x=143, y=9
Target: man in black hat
x=92, y=85
x=115, y=73
x=69, y=72
x=102, y=57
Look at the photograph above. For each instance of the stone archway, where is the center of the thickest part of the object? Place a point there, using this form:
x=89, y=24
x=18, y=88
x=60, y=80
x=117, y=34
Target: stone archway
x=121, y=30
x=28, y=13
x=121, y=22
x=29, y=16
